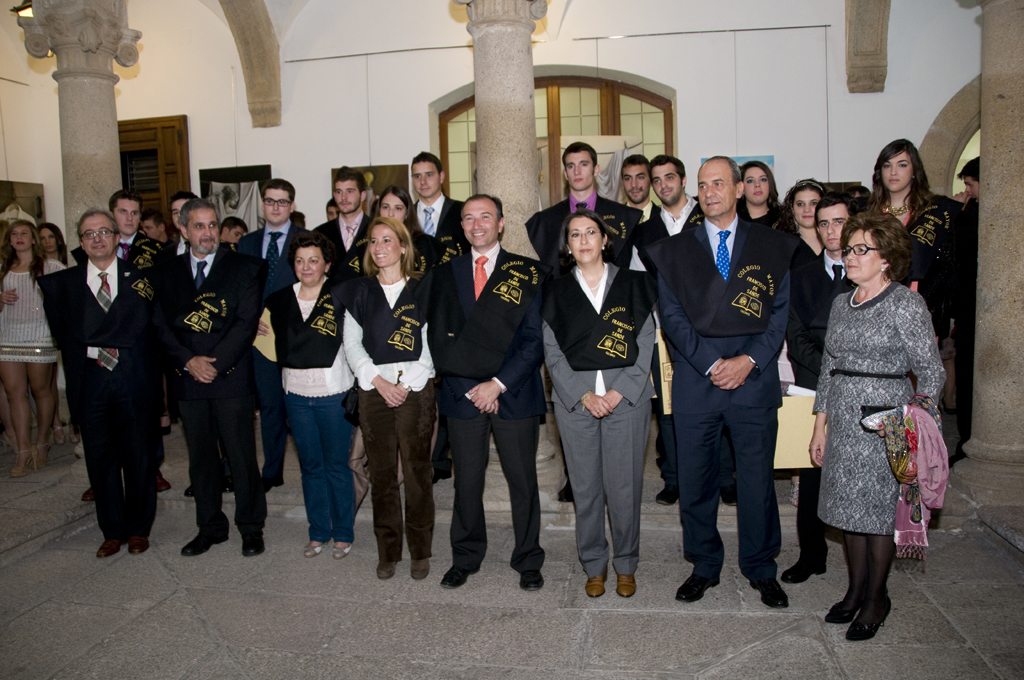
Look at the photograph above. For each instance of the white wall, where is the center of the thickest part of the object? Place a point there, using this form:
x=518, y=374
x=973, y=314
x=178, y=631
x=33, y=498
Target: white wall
x=737, y=93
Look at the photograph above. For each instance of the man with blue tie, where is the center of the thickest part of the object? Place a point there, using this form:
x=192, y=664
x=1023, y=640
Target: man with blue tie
x=271, y=244
x=723, y=290
x=439, y=216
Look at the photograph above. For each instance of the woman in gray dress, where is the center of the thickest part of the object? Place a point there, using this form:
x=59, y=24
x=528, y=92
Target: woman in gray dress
x=876, y=335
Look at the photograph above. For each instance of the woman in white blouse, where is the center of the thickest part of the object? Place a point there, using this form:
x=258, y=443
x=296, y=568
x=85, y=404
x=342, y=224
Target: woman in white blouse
x=27, y=352
x=316, y=377
x=385, y=342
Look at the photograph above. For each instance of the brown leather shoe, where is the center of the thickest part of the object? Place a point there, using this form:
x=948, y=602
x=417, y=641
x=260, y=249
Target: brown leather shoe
x=595, y=585
x=385, y=570
x=161, y=483
x=626, y=585
x=420, y=569
x=138, y=544
x=88, y=495
x=109, y=547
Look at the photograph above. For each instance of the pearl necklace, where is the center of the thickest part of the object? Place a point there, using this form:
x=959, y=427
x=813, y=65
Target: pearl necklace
x=858, y=304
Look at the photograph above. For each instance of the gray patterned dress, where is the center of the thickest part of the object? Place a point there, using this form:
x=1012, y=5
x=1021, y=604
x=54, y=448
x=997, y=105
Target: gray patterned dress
x=891, y=334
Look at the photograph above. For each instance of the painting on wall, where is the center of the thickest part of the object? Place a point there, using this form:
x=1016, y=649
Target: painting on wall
x=236, y=192
x=379, y=178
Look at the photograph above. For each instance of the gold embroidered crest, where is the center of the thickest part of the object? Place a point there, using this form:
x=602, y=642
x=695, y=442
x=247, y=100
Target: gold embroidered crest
x=402, y=340
x=144, y=288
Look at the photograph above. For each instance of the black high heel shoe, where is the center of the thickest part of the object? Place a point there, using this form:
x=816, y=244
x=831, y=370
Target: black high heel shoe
x=839, y=615
x=866, y=631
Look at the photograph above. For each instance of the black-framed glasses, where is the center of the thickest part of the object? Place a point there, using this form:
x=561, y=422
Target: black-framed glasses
x=90, y=235
x=279, y=202
x=859, y=249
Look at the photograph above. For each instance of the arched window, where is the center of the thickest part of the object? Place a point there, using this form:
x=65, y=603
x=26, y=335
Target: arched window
x=565, y=106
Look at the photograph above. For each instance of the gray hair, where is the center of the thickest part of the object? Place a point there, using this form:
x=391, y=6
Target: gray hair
x=190, y=206
x=92, y=212
x=737, y=176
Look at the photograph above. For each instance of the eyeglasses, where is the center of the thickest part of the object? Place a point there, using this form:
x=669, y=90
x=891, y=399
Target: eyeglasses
x=280, y=202
x=90, y=235
x=859, y=249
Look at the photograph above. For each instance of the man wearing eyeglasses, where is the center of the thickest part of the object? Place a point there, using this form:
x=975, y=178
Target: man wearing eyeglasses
x=271, y=243
x=101, y=315
x=813, y=288
x=136, y=249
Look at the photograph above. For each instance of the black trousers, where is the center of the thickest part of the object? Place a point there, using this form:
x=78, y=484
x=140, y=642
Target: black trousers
x=119, y=434
x=517, y=448
x=439, y=456
x=204, y=421
x=809, y=529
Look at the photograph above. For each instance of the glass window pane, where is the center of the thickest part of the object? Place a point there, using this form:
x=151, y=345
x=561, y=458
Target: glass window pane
x=648, y=108
x=632, y=125
x=471, y=126
x=569, y=101
x=628, y=104
x=654, y=128
x=461, y=118
x=471, y=114
x=652, y=150
x=460, y=191
x=458, y=167
x=540, y=102
x=458, y=137
x=571, y=126
x=590, y=102
x=591, y=125
x=542, y=128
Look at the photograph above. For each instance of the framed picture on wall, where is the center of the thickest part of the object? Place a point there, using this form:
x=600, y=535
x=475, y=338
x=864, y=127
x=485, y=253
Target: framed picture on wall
x=379, y=178
x=236, y=192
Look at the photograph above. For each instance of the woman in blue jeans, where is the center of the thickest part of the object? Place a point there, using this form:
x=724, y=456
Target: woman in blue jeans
x=307, y=336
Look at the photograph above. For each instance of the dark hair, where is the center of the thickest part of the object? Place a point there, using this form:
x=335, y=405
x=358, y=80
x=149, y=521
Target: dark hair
x=298, y=219
x=412, y=222
x=178, y=195
x=9, y=257
x=890, y=237
x=280, y=185
x=637, y=159
x=191, y=206
x=125, y=194
x=156, y=216
x=493, y=199
x=773, y=191
x=408, y=260
x=331, y=204
x=230, y=222
x=309, y=239
x=565, y=255
x=62, y=246
x=972, y=169
x=427, y=157
x=664, y=159
x=858, y=191
x=920, y=194
x=833, y=198
x=578, y=147
x=787, y=217
x=347, y=174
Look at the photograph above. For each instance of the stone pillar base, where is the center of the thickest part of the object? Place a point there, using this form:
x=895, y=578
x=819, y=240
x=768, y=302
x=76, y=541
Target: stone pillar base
x=989, y=483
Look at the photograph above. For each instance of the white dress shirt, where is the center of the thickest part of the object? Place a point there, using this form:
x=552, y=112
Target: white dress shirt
x=194, y=261
x=492, y=257
x=93, y=280
x=673, y=226
x=829, y=263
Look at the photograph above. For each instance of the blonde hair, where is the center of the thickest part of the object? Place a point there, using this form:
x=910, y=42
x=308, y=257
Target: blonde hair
x=408, y=261
x=8, y=256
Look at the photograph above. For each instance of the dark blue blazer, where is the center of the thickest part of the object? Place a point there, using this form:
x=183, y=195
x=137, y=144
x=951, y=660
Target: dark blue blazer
x=252, y=244
x=520, y=370
x=693, y=354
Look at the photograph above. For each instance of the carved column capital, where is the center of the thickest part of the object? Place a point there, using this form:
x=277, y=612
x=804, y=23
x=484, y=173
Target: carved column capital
x=483, y=10
x=867, y=45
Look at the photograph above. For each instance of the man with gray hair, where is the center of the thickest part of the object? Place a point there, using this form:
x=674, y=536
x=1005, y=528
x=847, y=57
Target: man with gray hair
x=208, y=307
x=723, y=295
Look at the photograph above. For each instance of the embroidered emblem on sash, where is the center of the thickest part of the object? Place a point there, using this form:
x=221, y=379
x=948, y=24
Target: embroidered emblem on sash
x=405, y=337
x=749, y=301
x=509, y=290
x=326, y=324
x=924, y=233
x=144, y=288
x=199, y=320
x=402, y=340
x=615, y=344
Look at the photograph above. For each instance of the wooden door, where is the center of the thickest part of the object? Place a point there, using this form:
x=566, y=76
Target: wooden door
x=154, y=158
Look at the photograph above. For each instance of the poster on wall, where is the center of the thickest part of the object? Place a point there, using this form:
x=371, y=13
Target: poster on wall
x=378, y=178
x=235, y=192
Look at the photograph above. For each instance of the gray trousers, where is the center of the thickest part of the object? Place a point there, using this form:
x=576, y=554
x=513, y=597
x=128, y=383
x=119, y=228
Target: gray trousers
x=605, y=457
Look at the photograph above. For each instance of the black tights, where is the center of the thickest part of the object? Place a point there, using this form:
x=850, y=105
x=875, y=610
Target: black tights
x=868, y=558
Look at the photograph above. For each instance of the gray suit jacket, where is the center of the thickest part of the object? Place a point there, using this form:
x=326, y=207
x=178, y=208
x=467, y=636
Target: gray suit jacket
x=633, y=383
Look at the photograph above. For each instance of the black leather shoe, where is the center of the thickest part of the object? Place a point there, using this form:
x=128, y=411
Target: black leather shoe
x=229, y=485
x=728, y=494
x=200, y=544
x=694, y=587
x=865, y=631
x=531, y=579
x=800, y=572
x=189, y=493
x=667, y=496
x=440, y=474
x=270, y=482
x=565, y=495
x=839, y=615
x=772, y=593
x=252, y=544
x=456, y=576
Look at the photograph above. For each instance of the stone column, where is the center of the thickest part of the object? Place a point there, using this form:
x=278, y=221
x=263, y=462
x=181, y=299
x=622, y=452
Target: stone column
x=86, y=36
x=506, y=132
x=994, y=471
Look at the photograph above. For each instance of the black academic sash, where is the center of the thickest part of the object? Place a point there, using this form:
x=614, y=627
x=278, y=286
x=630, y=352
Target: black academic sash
x=209, y=310
x=928, y=234
x=144, y=252
x=591, y=341
x=390, y=335
x=309, y=343
x=720, y=308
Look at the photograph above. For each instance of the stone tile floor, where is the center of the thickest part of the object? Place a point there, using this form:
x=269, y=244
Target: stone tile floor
x=66, y=614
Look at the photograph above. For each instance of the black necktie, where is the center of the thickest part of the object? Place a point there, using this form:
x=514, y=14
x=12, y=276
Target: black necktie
x=581, y=205
x=273, y=255
x=200, y=273
x=837, y=272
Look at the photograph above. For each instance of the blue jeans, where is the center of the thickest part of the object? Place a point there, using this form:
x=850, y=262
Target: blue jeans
x=323, y=438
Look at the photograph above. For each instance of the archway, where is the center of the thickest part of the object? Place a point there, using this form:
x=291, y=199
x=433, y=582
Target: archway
x=949, y=134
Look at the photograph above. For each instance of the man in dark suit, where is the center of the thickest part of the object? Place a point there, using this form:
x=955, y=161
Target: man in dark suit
x=271, y=243
x=101, y=316
x=348, y=232
x=438, y=215
x=966, y=301
x=136, y=249
x=579, y=163
x=723, y=290
x=815, y=285
x=208, y=310
x=485, y=337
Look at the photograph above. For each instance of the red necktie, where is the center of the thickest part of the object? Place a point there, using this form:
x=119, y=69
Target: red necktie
x=479, y=277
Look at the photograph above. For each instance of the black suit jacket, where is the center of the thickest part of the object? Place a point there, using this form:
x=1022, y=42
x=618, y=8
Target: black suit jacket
x=545, y=231
x=449, y=225
x=653, y=229
x=231, y=347
x=348, y=263
x=811, y=294
x=77, y=322
x=252, y=245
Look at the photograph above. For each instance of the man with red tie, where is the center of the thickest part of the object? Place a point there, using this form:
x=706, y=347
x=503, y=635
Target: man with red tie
x=484, y=330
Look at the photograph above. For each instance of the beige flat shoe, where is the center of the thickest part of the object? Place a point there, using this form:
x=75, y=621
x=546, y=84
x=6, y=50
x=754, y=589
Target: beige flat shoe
x=312, y=550
x=340, y=552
